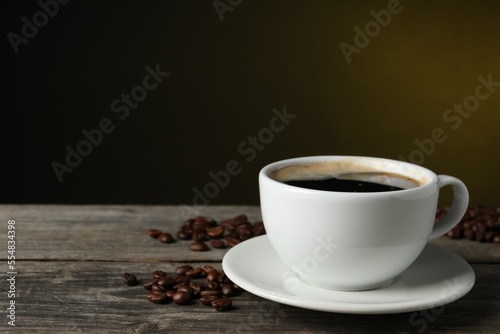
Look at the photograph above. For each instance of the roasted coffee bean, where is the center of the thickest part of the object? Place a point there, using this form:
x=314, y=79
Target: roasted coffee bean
x=154, y=233
x=223, y=279
x=244, y=227
x=207, y=220
x=159, y=288
x=222, y=304
x=228, y=290
x=196, y=288
x=149, y=284
x=212, y=276
x=199, y=235
x=181, y=298
x=477, y=224
x=199, y=226
x=195, y=273
x=129, y=279
x=228, y=225
x=240, y=219
x=183, y=235
x=208, y=268
x=157, y=297
x=245, y=235
x=218, y=243
x=182, y=279
x=258, y=228
x=198, y=246
x=216, y=293
x=166, y=238
x=186, y=289
x=496, y=239
x=170, y=294
x=182, y=270
x=231, y=242
x=159, y=273
x=207, y=300
x=166, y=282
x=216, y=232
x=213, y=285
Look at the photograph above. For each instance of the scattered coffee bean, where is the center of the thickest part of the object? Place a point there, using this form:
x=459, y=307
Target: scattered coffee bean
x=129, y=279
x=216, y=232
x=154, y=233
x=149, y=284
x=181, y=290
x=198, y=246
x=212, y=276
x=207, y=300
x=159, y=288
x=199, y=235
x=215, y=293
x=496, y=239
x=181, y=298
x=159, y=273
x=186, y=289
x=195, y=273
x=183, y=235
x=208, y=268
x=166, y=282
x=182, y=279
x=222, y=304
x=232, y=241
x=479, y=223
x=196, y=288
x=228, y=290
x=218, y=243
x=213, y=286
x=166, y=238
x=182, y=270
x=156, y=297
x=170, y=294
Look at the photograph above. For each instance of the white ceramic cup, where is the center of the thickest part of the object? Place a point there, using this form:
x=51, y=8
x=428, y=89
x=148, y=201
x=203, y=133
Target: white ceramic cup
x=353, y=240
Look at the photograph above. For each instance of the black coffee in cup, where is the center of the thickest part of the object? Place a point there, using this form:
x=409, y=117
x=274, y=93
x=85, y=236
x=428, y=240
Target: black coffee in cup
x=333, y=176
x=344, y=185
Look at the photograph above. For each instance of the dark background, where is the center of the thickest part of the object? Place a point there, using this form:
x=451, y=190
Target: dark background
x=225, y=79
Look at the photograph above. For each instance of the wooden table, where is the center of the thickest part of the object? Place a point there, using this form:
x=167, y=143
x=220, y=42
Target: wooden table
x=69, y=262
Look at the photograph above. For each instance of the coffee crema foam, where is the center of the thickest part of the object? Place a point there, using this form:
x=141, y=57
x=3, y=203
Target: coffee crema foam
x=349, y=170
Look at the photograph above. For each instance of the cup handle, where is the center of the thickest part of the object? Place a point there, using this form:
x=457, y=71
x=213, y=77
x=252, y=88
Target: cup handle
x=458, y=206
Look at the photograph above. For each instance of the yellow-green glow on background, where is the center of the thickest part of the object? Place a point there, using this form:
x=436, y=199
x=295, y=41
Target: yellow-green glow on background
x=226, y=77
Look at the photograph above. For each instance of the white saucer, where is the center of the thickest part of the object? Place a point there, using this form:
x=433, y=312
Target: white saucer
x=436, y=278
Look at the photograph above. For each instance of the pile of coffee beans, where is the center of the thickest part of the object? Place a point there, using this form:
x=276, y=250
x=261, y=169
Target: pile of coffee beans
x=212, y=287
x=480, y=223
x=201, y=230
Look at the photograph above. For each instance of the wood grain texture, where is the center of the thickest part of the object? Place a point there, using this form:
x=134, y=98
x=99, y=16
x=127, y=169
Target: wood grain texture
x=89, y=297
x=70, y=260
x=118, y=233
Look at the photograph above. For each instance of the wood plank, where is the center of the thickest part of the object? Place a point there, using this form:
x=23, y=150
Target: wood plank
x=89, y=297
x=104, y=233
x=118, y=233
